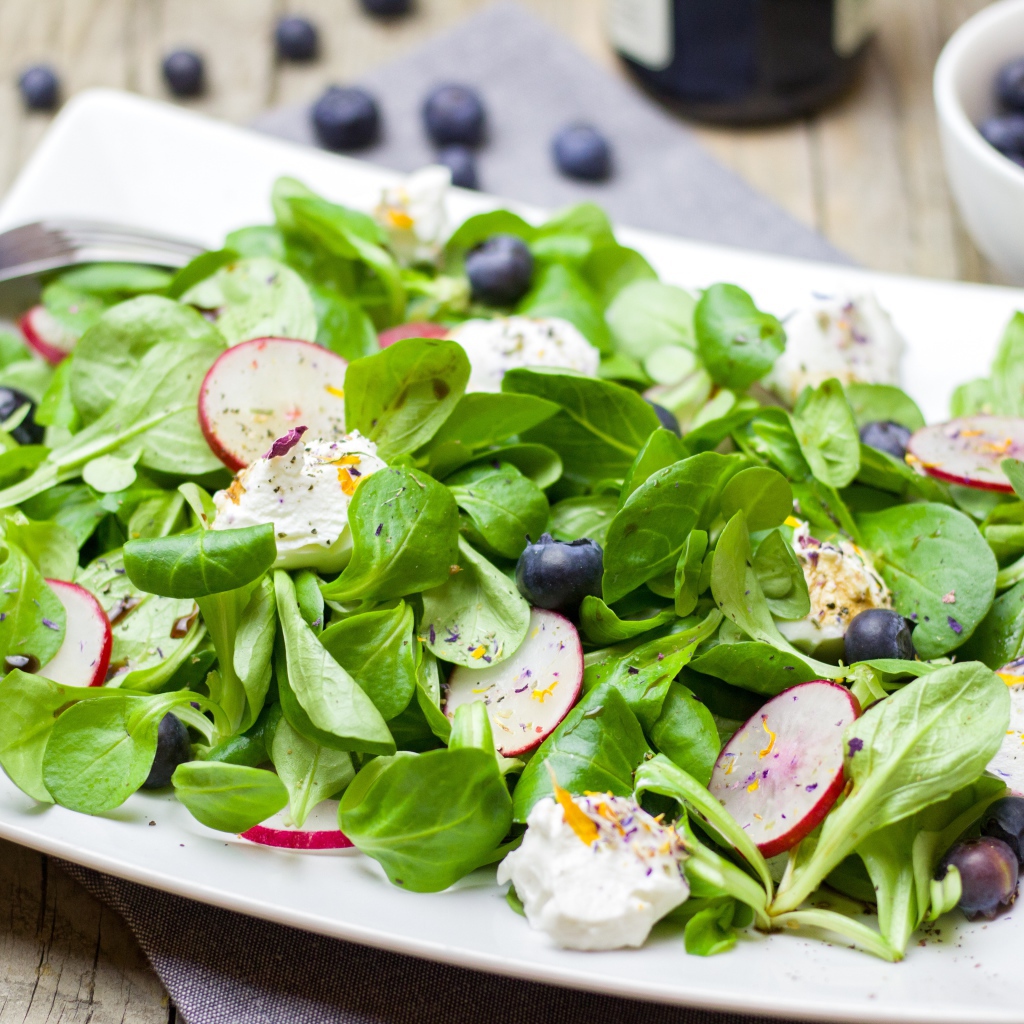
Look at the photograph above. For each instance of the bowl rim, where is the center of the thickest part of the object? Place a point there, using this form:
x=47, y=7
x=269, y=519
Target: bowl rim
x=947, y=103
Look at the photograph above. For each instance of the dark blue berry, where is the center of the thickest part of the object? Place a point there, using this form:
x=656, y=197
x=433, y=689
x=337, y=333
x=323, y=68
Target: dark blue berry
x=454, y=114
x=1005, y=132
x=666, y=418
x=886, y=436
x=1005, y=820
x=500, y=270
x=988, y=875
x=461, y=161
x=387, y=8
x=877, y=633
x=346, y=118
x=184, y=73
x=296, y=39
x=581, y=151
x=172, y=748
x=558, y=575
x=27, y=431
x=40, y=88
x=1010, y=84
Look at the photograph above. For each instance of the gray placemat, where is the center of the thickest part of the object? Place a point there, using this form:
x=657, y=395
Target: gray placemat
x=224, y=968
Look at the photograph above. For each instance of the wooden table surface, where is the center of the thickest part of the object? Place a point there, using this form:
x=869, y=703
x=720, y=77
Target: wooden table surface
x=867, y=174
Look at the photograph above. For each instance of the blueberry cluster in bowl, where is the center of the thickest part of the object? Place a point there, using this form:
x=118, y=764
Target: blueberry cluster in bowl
x=1005, y=130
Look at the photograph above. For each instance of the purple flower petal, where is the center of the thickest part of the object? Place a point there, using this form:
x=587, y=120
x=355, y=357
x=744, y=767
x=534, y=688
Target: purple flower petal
x=954, y=625
x=283, y=445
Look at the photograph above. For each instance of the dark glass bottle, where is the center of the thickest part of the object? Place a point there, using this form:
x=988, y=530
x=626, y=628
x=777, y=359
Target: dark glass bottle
x=742, y=61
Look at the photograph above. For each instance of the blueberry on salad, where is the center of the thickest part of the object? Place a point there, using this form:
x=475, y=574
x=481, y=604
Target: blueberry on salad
x=877, y=633
x=27, y=430
x=1005, y=132
x=1005, y=820
x=557, y=574
x=500, y=270
x=346, y=118
x=454, y=114
x=173, y=747
x=1010, y=84
x=988, y=875
x=296, y=39
x=39, y=87
x=185, y=73
x=581, y=151
x=886, y=436
x=461, y=161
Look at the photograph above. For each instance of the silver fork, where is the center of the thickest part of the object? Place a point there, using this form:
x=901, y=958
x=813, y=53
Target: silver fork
x=52, y=244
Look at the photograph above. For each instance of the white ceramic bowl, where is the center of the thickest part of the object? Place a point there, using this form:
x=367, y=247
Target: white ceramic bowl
x=988, y=187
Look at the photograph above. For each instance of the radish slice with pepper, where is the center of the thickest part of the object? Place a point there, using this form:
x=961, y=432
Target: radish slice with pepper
x=47, y=335
x=783, y=770
x=529, y=693
x=968, y=451
x=320, y=831
x=259, y=390
x=84, y=656
x=416, y=329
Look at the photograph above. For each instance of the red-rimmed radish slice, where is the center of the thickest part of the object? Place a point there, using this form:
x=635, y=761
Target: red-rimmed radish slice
x=783, y=770
x=320, y=831
x=968, y=451
x=259, y=390
x=416, y=329
x=47, y=335
x=84, y=656
x=529, y=693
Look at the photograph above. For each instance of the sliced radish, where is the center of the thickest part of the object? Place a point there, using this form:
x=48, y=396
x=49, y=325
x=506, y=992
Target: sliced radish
x=320, y=831
x=416, y=329
x=528, y=694
x=84, y=656
x=968, y=451
x=783, y=770
x=47, y=335
x=259, y=390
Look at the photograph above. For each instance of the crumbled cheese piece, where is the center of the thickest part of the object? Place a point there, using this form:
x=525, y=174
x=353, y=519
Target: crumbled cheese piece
x=414, y=216
x=851, y=338
x=504, y=343
x=596, y=871
x=304, y=489
x=1008, y=764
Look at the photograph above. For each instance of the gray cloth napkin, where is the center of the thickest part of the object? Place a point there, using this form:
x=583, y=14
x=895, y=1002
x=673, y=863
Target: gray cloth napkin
x=223, y=968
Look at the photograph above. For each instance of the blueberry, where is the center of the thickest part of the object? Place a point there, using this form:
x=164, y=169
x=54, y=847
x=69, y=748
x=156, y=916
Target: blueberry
x=462, y=163
x=454, y=113
x=40, y=88
x=296, y=39
x=172, y=748
x=988, y=875
x=184, y=73
x=1005, y=820
x=1005, y=132
x=877, y=633
x=346, y=118
x=558, y=575
x=1010, y=84
x=500, y=270
x=386, y=8
x=27, y=431
x=886, y=436
x=666, y=418
x=581, y=151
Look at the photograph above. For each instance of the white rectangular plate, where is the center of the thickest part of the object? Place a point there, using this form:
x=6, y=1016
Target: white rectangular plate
x=114, y=157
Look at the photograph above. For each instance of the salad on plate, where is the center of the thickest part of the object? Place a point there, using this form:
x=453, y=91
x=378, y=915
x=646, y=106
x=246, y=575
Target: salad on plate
x=506, y=552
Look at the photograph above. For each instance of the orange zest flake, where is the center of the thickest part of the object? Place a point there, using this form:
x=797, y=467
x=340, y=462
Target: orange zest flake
x=971, y=433
x=1011, y=678
x=479, y=652
x=348, y=460
x=999, y=447
x=753, y=786
x=541, y=695
x=236, y=490
x=771, y=738
x=791, y=521
x=332, y=390
x=586, y=831
x=348, y=482
x=399, y=219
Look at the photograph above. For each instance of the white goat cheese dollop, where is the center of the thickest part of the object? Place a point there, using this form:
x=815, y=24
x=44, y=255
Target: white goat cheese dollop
x=414, y=216
x=1008, y=764
x=304, y=488
x=596, y=871
x=850, y=337
x=494, y=346
x=841, y=582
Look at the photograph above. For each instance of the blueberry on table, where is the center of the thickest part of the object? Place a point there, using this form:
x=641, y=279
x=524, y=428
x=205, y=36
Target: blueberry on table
x=877, y=633
x=1005, y=132
x=27, y=431
x=557, y=575
x=1010, y=84
x=387, y=8
x=184, y=73
x=1005, y=820
x=462, y=163
x=296, y=39
x=454, y=114
x=886, y=436
x=40, y=88
x=666, y=418
x=346, y=118
x=172, y=748
x=500, y=270
x=581, y=151
x=988, y=875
